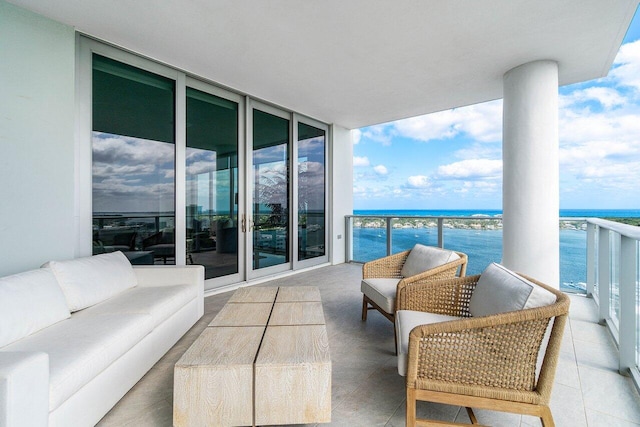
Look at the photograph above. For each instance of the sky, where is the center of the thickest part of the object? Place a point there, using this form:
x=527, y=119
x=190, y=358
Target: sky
x=453, y=159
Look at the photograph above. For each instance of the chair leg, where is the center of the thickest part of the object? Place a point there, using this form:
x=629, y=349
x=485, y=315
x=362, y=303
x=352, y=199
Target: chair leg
x=411, y=407
x=364, y=308
x=546, y=418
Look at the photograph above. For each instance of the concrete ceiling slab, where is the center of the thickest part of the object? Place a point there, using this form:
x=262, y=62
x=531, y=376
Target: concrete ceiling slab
x=358, y=62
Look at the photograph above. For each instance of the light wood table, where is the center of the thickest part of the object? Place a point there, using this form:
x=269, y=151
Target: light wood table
x=264, y=360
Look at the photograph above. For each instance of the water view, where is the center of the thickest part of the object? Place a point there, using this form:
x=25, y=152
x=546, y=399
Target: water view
x=476, y=233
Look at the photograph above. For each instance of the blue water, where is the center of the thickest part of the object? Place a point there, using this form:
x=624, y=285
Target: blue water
x=580, y=213
x=482, y=246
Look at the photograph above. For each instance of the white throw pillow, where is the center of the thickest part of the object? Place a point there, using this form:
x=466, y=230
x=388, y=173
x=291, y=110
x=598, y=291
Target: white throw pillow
x=29, y=302
x=500, y=290
x=88, y=281
x=423, y=258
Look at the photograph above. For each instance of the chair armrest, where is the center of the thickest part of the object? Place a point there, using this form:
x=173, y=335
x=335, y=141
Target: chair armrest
x=445, y=296
x=389, y=266
x=24, y=389
x=499, y=351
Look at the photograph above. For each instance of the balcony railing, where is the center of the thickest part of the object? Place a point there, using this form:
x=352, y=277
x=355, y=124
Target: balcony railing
x=612, y=280
x=598, y=257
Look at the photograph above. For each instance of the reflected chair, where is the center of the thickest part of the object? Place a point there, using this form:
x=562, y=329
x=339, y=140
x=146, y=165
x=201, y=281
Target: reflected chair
x=489, y=341
x=381, y=277
x=162, y=244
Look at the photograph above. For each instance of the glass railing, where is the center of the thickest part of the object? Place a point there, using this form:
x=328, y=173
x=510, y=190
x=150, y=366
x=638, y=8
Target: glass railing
x=613, y=277
x=480, y=237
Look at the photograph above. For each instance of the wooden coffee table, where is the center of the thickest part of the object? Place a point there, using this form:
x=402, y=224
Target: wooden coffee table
x=263, y=360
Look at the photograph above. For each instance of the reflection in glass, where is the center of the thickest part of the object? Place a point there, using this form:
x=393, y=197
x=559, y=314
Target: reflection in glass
x=212, y=183
x=270, y=190
x=133, y=149
x=311, y=192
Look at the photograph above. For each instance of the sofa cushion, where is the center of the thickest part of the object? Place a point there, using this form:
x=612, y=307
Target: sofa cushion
x=423, y=258
x=87, y=281
x=500, y=290
x=159, y=302
x=382, y=291
x=406, y=320
x=81, y=348
x=29, y=302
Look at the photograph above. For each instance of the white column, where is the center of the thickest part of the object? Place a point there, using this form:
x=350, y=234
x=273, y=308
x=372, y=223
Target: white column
x=531, y=193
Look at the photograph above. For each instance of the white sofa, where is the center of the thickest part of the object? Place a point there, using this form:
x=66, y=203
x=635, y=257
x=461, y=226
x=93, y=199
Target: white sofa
x=76, y=335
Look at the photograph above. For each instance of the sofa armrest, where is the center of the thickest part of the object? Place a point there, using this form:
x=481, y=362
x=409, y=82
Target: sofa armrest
x=168, y=275
x=24, y=389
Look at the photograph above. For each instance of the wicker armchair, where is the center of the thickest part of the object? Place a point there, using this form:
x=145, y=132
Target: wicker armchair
x=390, y=267
x=381, y=277
x=486, y=362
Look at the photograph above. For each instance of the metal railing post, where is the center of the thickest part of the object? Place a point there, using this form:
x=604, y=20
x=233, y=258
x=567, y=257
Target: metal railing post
x=440, y=232
x=348, y=238
x=604, y=274
x=389, y=231
x=627, y=322
x=591, y=259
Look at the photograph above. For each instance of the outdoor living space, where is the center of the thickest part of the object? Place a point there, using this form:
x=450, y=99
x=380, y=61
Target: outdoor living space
x=366, y=387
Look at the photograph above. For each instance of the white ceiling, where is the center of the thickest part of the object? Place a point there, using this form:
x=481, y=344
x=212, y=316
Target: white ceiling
x=358, y=62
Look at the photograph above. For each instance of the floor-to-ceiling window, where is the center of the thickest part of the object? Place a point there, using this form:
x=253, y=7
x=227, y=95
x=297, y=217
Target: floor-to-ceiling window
x=175, y=170
x=212, y=183
x=133, y=151
x=311, y=147
x=270, y=189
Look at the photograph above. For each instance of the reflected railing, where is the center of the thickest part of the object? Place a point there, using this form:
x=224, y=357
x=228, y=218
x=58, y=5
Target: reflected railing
x=480, y=237
x=613, y=277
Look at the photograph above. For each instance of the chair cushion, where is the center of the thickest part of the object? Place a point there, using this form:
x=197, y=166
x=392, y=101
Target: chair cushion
x=500, y=290
x=382, y=291
x=29, y=302
x=90, y=280
x=406, y=320
x=423, y=258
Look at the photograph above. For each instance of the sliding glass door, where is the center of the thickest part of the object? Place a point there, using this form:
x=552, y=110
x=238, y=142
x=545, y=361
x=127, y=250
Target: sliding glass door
x=271, y=186
x=212, y=233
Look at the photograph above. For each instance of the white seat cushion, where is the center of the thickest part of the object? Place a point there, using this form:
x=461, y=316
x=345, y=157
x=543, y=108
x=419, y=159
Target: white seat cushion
x=406, y=320
x=29, y=302
x=159, y=302
x=423, y=258
x=500, y=290
x=81, y=348
x=90, y=280
x=382, y=291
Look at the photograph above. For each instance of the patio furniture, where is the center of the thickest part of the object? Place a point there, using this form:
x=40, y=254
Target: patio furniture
x=381, y=277
x=263, y=360
x=77, y=335
x=477, y=342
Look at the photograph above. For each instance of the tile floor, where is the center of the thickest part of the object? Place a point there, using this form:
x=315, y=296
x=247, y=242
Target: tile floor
x=367, y=390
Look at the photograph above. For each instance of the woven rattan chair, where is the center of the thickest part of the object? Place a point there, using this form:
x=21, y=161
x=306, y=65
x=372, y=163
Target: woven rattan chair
x=390, y=267
x=486, y=362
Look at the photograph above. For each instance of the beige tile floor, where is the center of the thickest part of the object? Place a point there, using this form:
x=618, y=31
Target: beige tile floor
x=367, y=390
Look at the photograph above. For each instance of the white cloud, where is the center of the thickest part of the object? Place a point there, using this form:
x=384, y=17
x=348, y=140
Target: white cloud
x=482, y=122
x=360, y=161
x=380, y=170
x=626, y=71
x=472, y=168
x=608, y=97
x=418, y=181
x=356, y=134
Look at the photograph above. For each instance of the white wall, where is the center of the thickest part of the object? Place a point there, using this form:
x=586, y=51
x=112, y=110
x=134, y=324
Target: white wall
x=37, y=58
x=342, y=191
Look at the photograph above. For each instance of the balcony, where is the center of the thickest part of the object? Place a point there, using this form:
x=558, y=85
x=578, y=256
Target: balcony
x=367, y=389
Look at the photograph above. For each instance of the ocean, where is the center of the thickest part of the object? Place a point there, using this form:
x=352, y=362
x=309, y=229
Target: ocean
x=483, y=246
